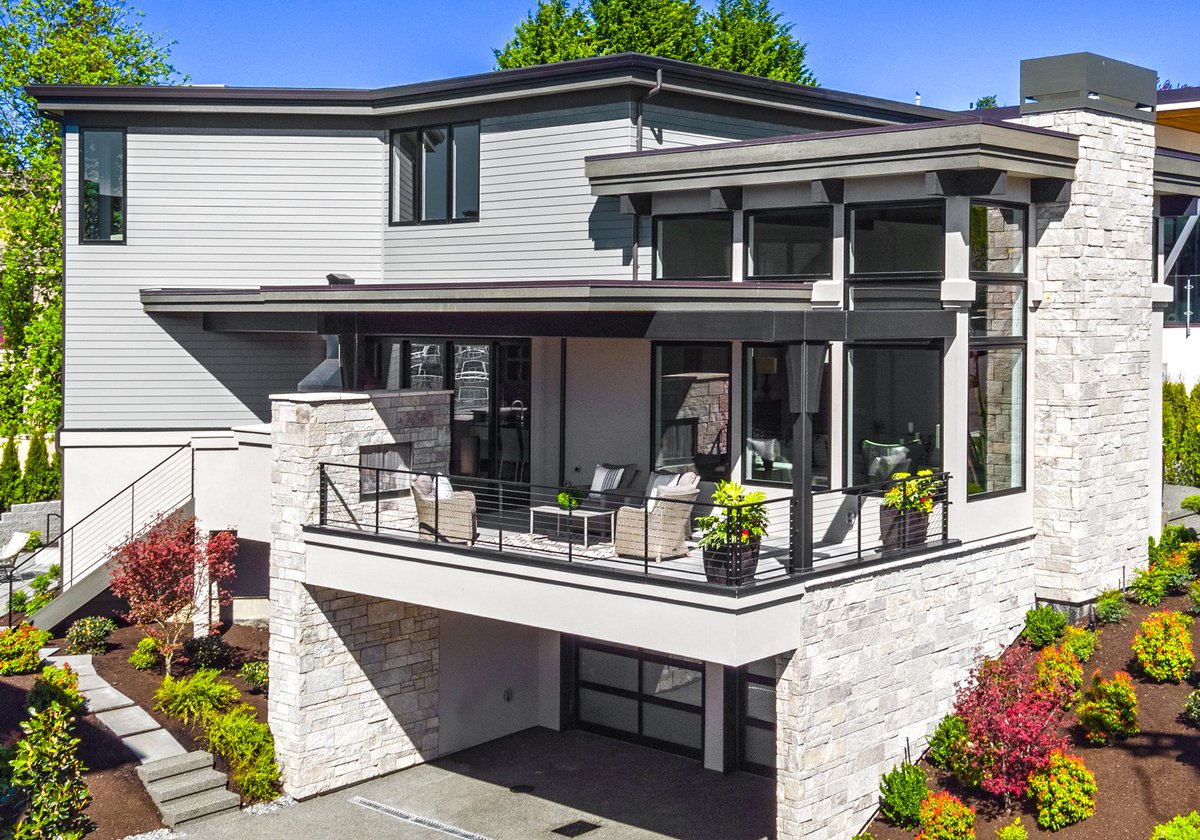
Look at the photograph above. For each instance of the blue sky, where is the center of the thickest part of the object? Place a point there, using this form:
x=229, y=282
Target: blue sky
x=952, y=52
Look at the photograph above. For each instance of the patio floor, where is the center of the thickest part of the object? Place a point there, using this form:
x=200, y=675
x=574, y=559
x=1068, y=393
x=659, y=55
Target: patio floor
x=629, y=792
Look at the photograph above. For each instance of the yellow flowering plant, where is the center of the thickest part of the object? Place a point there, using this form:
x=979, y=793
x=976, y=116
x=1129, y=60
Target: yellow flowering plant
x=912, y=492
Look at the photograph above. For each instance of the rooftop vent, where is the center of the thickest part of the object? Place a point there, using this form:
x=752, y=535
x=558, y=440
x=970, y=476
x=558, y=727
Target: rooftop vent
x=339, y=279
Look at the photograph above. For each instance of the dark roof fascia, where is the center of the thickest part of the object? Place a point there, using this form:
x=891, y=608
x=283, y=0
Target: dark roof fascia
x=1174, y=97
x=1176, y=172
x=627, y=69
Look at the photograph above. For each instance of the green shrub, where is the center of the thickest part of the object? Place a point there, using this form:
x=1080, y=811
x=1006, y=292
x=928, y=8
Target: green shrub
x=1080, y=642
x=19, y=601
x=1173, y=539
x=56, y=685
x=1043, y=626
x=1191, y=708
x=945, y=817
x=34, y=542
x=255, y=675
x=1194, y=595
x=1110, y=607
x=866, y=835
x=901, y=792
x=11, y=491
x=196, y=697
x=145, y=655
x=39, y=484
x=1176, y=569
x=1163, y=646
x=1109, y=708
x=19, y=648
x=1148, y=587
x=947, y=741
x=42, y=587
x=1191, y=503
x=1013, y=831
x=249, y=748
x=1064, y=792
x=1184, y=827
x=208, y=652
x=1059, y=667
x=90, y=634
x=47, y=770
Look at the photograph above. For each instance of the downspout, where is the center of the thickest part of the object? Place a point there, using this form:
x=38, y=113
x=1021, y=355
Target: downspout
x=641, y=113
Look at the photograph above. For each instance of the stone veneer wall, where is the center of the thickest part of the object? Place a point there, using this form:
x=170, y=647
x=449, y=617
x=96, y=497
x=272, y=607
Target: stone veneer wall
x=354, y=679
x=883, y=651
x=1092, y=397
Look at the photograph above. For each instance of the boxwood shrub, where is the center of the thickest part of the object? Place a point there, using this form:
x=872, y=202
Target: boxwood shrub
x=1043, y=626
x=901, y=792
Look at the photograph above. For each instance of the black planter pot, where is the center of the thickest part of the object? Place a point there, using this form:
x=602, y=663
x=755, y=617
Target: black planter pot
x=732, y=565
x=902, y=528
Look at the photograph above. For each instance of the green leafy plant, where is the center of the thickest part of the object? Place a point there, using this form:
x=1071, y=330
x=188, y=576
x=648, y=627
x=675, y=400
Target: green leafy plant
x=255, y=675
x=569, y=498
x=1059, y=668
x=1110, y=607
x=1043, y=626
x=912, y=492
x=741, y=519
x=947, y=741
x=19, y=601
x=1191, y=708
x=11, y=492
x=1176, y=569
x=19, y=648
x=39, y=483
x=208, y=652
x=196, y=697
x=1191, y=503
x=1079, y=641
x=145, y=655
x=1015, y=830
x=1183, y=827
x=249, y=748
x=47, y=770
x=1148, y=587
x=56, y=684
x=42, y=587
x=944, y=817
x=1194, y=595
x=34, y=542
x=1163, y=646
x=90, y=635
x=1064, y=792
x=901, y=792
x=1108, y=709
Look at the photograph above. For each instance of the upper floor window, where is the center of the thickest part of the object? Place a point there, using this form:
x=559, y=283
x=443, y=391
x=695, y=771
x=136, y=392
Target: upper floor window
x=789, y=243
x=997, y=239
x=693, y=247
x=102, y=186
x=898, y=239
x=435, y=174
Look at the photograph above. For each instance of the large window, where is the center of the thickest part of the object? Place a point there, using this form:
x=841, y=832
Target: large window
x=756, y=716
x=693, y=247
x=996, y=350
x=789, y=243
x=435, y=174
x=691, y=409
x=102, y=186
x=767, y=430
x=897, y=239
x=894, y=416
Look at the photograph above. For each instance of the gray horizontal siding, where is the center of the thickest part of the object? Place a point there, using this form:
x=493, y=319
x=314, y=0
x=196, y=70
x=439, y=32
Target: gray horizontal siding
x=212, y=209
x=668, y=128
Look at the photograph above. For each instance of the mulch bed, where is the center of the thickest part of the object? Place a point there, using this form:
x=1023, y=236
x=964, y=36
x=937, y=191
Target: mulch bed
x=1140, y=782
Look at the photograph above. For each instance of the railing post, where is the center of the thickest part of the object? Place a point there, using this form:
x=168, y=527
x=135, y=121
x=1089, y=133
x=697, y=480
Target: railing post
x=945, y=507
x=132, y=506
x=437, y=513
x=570, y=530
x=378, y=493
x=645, y=536
x=500, y=519
x=323, y=496
x=858, y=525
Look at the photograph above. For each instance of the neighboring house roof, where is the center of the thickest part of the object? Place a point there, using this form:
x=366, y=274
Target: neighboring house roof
x=563, y=77
x=1180, y=108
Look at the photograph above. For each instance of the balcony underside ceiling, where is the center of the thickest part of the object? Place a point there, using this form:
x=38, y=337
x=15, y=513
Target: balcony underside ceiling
x=1176, y=173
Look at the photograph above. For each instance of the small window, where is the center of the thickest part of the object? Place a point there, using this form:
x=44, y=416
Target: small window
x=995, y=419
x=792, y=243
x=998, y=310
x=691, y=409
x=435, y=174
x=102, y=186
x=997, y=239
x=767, y=447
x=898, y=239
x=383, y=469
x=693, y=247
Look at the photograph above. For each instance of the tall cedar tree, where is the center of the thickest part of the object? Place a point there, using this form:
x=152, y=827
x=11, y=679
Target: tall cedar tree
x=156, y=574
x=10, y=475
x=38, y=483
x=746, y=36
x=49, y=42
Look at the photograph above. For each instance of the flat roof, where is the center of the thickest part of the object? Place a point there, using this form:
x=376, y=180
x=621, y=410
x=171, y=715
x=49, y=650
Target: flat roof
x=563, y=77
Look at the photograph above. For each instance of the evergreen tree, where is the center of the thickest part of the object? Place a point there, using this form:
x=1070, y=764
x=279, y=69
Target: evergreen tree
x=56, y=474
x=38, y=482
x=552, y=32
x=748, y=37
x=10, y=475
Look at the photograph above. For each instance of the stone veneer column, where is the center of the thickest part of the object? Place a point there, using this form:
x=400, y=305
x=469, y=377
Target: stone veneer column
x=354, y=679
x=1092, y=379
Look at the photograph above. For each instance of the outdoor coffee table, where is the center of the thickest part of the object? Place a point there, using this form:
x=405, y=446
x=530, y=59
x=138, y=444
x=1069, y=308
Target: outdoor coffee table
x=579, y=513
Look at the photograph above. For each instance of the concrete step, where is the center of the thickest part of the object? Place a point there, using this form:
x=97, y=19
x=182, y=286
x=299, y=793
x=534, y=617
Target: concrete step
x=194, y=806
x=171, y=788
x=176, y=765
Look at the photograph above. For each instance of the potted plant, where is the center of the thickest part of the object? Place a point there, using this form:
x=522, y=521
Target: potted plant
x=907, y=503
x=731, y=537
x=569, y=498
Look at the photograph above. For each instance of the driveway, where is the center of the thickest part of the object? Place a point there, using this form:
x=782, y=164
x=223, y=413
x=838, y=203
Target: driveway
x=527, y=786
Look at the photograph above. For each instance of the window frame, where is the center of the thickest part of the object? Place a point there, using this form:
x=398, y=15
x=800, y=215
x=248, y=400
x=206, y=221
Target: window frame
x=654, y=400
x=748, y=245
x=848, y=244
x=1001, y=275
x=83, y=240
x=706, y=278
x=419, y=176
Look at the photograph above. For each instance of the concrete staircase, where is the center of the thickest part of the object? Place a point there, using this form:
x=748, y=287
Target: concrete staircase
x=187, y=788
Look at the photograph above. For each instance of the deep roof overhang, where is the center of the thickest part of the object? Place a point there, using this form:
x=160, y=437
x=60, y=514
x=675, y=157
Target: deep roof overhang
x=1176, y=173
x=563, y=77
x=962, y=143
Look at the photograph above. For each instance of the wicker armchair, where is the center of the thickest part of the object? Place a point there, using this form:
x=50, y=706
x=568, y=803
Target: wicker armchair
x=445, y=520
x=658, y=531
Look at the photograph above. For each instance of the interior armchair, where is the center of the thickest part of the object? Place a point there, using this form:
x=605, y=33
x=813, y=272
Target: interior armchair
x=443, y=513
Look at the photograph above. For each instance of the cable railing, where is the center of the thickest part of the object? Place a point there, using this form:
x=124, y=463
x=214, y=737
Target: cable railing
x=1185, y=309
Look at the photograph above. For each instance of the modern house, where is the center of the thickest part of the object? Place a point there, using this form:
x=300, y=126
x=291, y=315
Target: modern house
x=376, y=332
